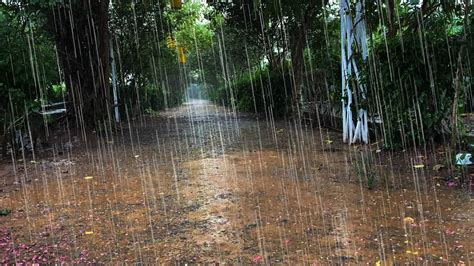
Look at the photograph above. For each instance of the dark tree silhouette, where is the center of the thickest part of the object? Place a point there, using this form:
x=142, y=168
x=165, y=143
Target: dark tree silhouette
x=81, y=32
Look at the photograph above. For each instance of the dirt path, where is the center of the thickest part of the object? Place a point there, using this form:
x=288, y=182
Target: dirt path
x=201, y=184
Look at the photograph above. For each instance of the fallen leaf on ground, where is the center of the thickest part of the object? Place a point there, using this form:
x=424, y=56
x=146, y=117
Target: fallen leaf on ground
x=438, y=167
x=257, y=259
x=451, y=184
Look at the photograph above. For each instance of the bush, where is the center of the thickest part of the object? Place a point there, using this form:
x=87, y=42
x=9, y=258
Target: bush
x=415, y=86
x=257, y=92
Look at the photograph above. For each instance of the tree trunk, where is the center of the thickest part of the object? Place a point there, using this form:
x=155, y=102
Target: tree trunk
x=297, y=59
x=297, y=65
x=392, y=30
x=82, y=39
x=454, y=109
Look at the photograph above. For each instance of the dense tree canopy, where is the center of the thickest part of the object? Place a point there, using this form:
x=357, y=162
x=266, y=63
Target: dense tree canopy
x=276, y=57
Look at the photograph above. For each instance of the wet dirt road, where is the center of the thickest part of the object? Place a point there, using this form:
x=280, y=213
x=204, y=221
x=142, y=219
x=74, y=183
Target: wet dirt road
x=201, y=184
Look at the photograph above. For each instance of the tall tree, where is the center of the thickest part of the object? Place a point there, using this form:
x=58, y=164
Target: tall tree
x=81, y=32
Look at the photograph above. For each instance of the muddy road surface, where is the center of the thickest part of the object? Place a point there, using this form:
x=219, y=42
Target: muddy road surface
x=201, y=184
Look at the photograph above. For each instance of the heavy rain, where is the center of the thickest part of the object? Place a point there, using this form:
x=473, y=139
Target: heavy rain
x=236, y=132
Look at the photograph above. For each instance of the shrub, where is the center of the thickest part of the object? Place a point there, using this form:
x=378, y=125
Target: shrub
x=259, y=91
x=414, y=83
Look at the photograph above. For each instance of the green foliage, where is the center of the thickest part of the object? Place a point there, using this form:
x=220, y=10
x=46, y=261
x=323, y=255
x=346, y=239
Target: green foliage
x=5, y=212
x=365, y=170
x=59, y=89
x=415, y=82
x=193, y=26
x=258, y=91
x=27, y=67
x=149, y=75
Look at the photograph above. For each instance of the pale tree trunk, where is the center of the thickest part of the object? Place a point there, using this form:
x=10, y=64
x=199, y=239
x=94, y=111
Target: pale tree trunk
x=350, y=33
